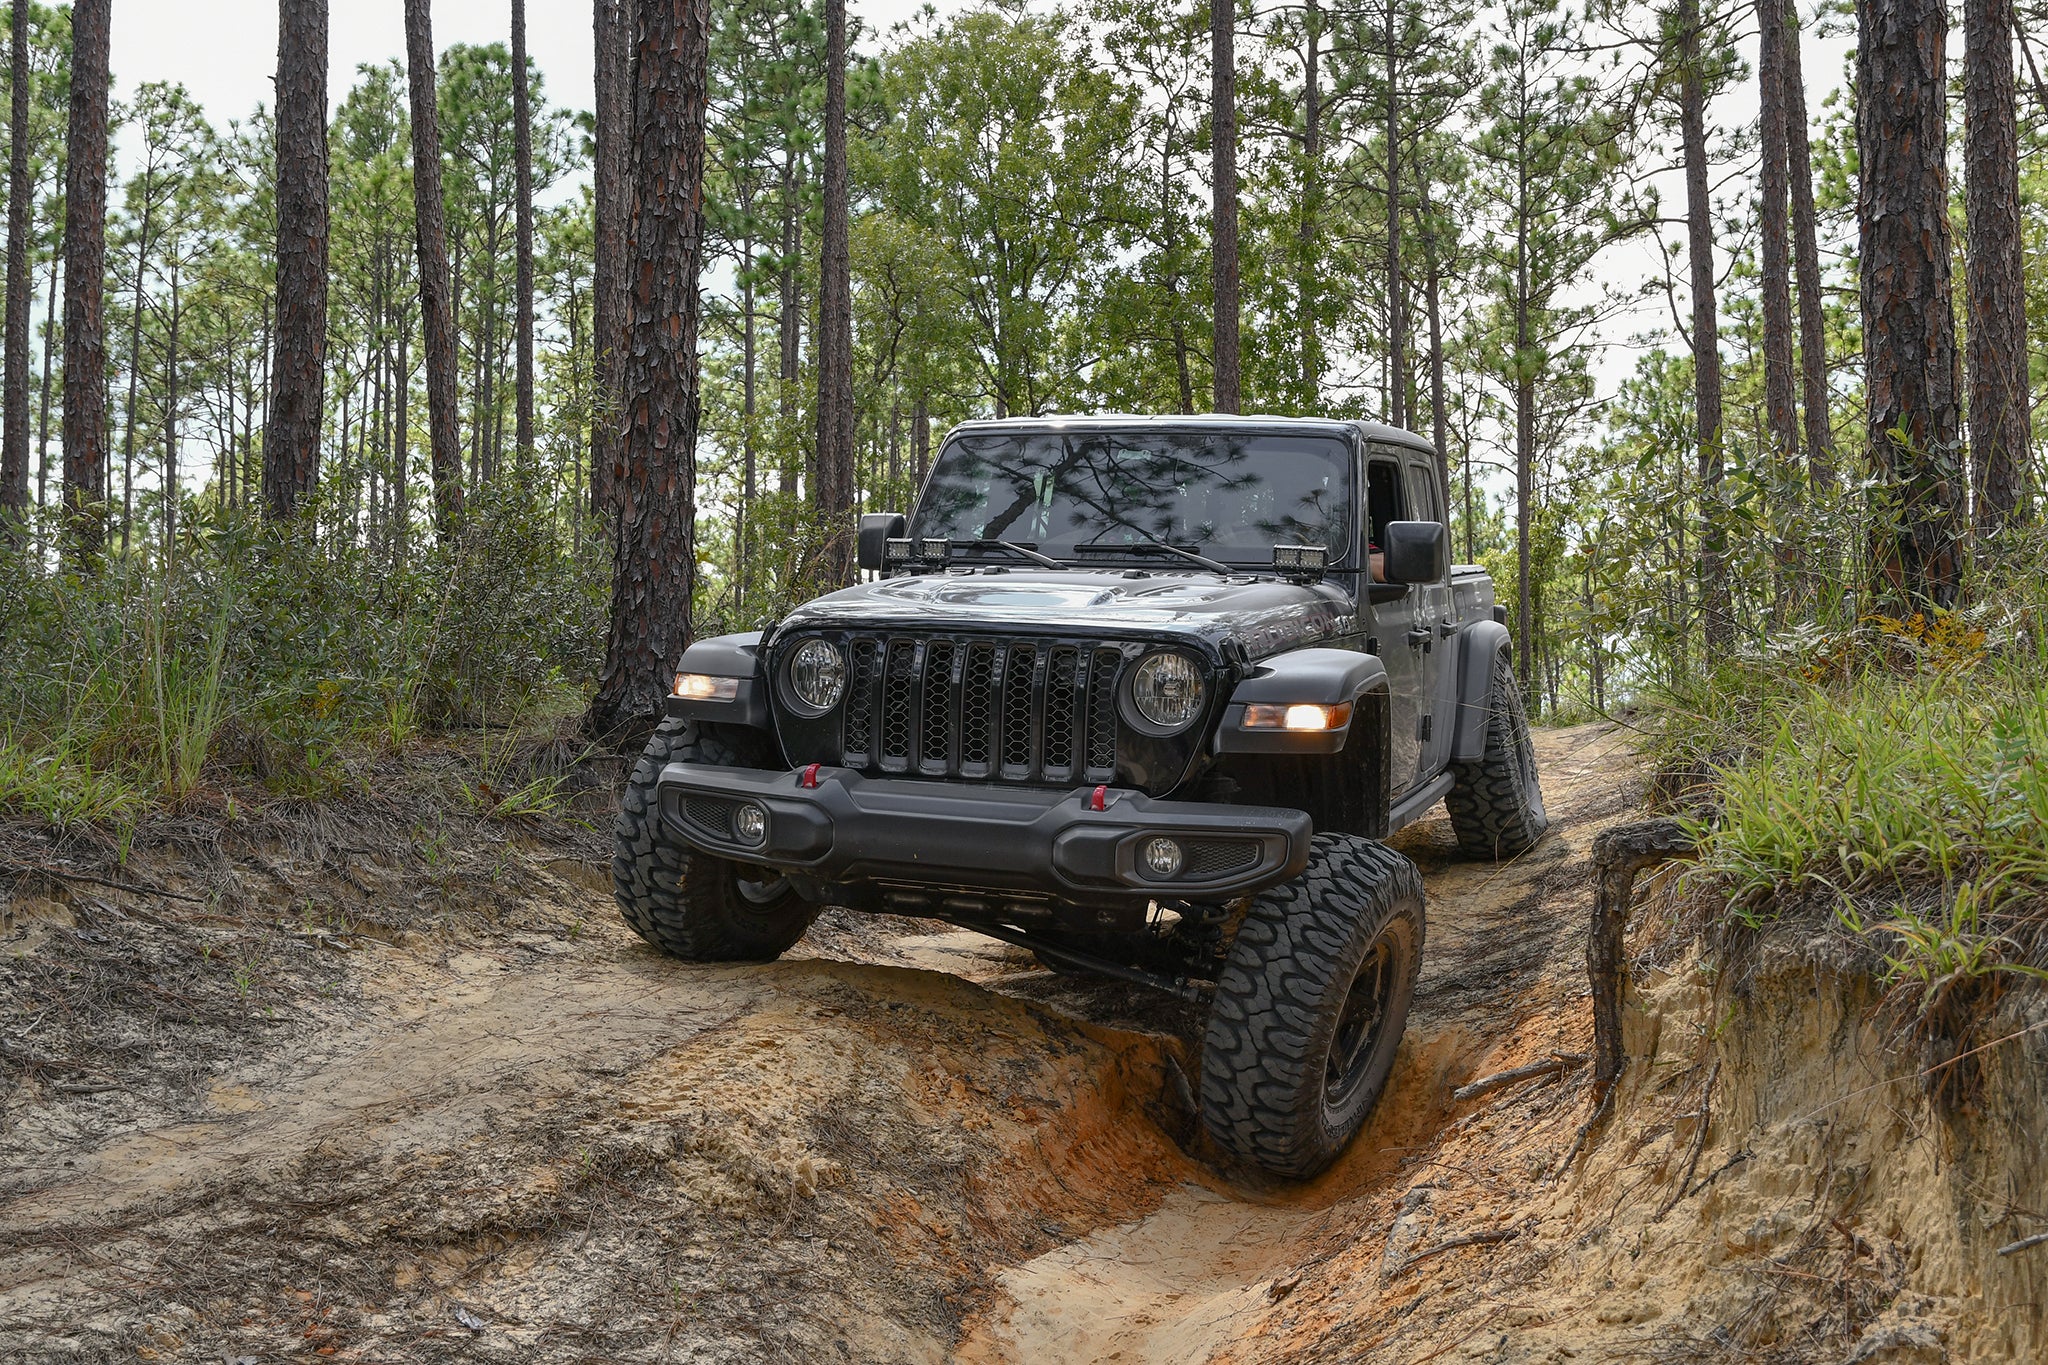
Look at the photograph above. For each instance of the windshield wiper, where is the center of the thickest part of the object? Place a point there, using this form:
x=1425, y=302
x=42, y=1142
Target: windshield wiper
x=1024, y=550
x=1144, y=542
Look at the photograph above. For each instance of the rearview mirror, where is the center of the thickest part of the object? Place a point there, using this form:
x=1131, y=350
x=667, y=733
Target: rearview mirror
x=1416, y=551
x=877, y=529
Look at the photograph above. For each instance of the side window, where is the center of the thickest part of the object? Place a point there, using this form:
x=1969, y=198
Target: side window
x=1385, y=500
x=1422, y=492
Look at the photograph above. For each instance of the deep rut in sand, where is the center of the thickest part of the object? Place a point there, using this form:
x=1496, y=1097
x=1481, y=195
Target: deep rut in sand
x=903, y=1142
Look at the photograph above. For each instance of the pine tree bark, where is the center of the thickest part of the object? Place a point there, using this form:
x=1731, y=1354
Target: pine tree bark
x=1397, y=318
x=1715, y=611
x=85, y=271
x=522, y=155
x=835, y=324
x=613, y=30
x=1997, y=340
x=1308, y=247
x=1813, y=334
x=1228, y=391
x=430, y=236
x=1911, y=368
x=653, y=555
x=1781, y=414
x=14, y=423
x=298, y=370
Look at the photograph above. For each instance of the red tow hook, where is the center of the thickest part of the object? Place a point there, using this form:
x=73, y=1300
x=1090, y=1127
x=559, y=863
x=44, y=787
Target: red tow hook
x=809, y=778
x=1100, y=800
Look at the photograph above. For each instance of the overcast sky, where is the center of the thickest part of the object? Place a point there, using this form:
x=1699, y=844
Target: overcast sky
x=225, y=51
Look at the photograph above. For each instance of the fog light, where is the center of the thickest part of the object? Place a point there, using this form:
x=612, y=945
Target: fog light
x=1162, y=857
x=750, y=824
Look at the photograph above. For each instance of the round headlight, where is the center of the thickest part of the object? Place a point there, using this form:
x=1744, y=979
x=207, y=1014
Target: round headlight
x=1163, y=857
x=1166, y=690
x=817, y=676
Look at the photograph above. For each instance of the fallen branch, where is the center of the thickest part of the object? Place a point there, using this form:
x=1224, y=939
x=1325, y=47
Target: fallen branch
x=2023, y=1243
x=1470, y=1239
x=132, y=888
x=1558, y=1063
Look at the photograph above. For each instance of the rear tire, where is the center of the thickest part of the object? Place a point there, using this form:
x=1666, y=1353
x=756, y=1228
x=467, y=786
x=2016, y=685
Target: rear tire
x=1495, y=802
x=1310, y=1007
x=689, y=904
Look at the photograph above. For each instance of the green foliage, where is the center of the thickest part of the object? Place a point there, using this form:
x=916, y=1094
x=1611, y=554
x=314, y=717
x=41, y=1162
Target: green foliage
x=276, y=655
x=1895, y=774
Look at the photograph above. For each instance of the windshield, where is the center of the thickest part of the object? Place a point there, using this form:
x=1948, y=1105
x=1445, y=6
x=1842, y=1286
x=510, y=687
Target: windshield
x=1231, y=495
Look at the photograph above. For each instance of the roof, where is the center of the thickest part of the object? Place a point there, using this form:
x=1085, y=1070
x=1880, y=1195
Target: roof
x=1107, y=421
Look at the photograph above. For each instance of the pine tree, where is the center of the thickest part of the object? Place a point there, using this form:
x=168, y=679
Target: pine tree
x=1912, y=398
x=14, y=424
x=85, y=270
x=298, y=367
x=522, y=133
x=1223, y=210
x=1997, y=342
x=835, y=322
x=437, y=304
x=654, y=546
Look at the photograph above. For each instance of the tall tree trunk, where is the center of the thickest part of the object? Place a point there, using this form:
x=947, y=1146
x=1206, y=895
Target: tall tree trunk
x=653, y=550
x=1997, y=342
x=522, y=153
x=298, y=374
x=750, y=475
x=1813, y=342
x=1228, y=395
x=1775, y=261
x=613, y=32
x=1911, y=368
x=14, y=423
x=1397, y=316
x=1308, y=249
x=50, y=343
x=1432, y=297
x=835, y=323
x=171, y=423
x=401, y=436
x=143, y=242
x=430, y=223
x=85, y=274
x=1717, y=624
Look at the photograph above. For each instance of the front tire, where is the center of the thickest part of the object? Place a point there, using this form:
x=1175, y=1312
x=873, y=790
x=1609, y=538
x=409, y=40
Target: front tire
x=689, y=904
x=1310, y=1007
x=1495, y=802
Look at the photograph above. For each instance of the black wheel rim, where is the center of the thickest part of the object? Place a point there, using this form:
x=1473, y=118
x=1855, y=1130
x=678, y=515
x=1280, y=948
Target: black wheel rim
x=1362, y=1024
x=762, y=892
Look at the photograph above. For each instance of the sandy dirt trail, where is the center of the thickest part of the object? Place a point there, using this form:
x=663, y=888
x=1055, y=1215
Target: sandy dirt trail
x=903, y=1142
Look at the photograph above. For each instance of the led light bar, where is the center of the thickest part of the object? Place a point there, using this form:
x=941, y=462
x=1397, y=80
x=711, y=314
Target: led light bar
x=1310, y=561
x=929, y=550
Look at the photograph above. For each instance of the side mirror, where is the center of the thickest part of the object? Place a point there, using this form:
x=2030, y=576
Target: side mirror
x=1416, y=551
x=877, y=529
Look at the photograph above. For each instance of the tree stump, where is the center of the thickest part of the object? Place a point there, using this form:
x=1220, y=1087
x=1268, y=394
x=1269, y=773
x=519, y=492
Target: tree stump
x=1619, y=856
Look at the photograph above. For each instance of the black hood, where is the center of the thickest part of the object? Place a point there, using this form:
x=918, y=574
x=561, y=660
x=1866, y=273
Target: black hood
x=1263, y=616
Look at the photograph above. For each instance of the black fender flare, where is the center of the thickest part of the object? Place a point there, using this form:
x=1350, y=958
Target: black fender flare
x=1326, y=677
x=727, y=656
x=1481, y=643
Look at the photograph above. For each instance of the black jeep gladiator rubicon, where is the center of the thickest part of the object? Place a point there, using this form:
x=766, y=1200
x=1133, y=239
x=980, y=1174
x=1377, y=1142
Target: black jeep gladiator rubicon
x=1142, y=695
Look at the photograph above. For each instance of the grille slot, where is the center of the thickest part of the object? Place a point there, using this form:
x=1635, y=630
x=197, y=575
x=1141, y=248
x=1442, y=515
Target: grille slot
x=1218, y=857
x=1009, y=710
x=712, y=814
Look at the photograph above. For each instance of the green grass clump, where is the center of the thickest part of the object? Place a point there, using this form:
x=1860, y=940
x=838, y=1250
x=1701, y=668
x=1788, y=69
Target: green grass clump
x=280, y=656
x=1900, y=779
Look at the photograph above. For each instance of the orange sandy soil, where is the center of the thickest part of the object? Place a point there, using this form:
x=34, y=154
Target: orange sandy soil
x=379, y=1095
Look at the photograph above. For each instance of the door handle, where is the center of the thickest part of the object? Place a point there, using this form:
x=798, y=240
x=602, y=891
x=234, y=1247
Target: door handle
x=1419, y=637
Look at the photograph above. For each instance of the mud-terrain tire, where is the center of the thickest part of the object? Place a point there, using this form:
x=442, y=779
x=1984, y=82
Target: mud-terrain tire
x=1495, y=801
x=688, y=904
x=1310, y=1006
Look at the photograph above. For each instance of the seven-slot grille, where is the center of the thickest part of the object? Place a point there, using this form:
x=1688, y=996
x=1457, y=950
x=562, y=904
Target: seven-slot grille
x=1011, y=710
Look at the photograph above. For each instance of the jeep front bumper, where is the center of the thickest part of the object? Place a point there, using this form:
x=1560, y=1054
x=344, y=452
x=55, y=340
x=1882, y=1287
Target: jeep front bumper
x=1037, y=843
